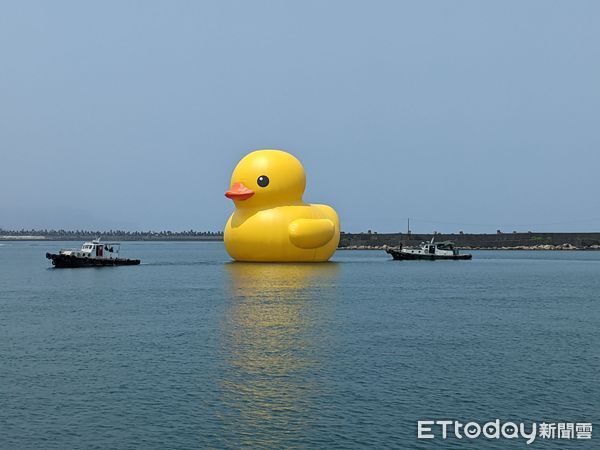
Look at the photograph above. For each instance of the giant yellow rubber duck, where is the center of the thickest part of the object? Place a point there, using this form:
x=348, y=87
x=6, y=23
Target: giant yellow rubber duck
x=271, y=223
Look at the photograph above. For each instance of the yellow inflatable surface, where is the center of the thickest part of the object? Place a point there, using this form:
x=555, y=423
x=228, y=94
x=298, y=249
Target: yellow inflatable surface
x=271, y=223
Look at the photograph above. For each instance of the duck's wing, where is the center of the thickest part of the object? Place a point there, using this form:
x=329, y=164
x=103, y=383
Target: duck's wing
x=311, y=233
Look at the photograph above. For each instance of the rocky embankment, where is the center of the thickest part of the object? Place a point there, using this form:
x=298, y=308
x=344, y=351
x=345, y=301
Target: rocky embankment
x=348, y=241
x=518, y=247
x=498, y=241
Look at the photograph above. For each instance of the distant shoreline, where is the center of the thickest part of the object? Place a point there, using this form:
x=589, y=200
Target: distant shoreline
x=348, y=241
x=476, y=241
x=105, y=237
x=110, y=235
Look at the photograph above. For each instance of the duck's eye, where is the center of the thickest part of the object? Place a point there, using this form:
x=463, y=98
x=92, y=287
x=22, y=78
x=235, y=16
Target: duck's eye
x=263, y=181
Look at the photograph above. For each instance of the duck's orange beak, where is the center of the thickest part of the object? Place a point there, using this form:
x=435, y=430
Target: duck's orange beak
x=239, y=192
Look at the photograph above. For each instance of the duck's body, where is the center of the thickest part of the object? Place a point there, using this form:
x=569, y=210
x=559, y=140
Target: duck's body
x=300, y=232
x=274, y=224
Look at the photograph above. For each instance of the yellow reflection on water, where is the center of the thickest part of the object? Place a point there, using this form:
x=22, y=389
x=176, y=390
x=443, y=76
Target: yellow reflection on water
x=272, y=336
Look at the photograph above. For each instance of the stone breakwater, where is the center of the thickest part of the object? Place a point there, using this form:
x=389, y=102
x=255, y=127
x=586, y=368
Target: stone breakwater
x=498, y=241
x=353, y=241
x=519, y=247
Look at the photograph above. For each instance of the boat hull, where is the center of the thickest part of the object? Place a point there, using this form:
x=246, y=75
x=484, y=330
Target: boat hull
x=399, y=255
x=68, y=261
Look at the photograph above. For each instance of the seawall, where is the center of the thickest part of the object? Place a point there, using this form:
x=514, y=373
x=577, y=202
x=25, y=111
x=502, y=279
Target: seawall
x=542, y=241
x=532, y=240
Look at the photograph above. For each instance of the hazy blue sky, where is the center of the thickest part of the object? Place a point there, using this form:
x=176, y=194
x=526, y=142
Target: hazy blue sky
x=480, y=115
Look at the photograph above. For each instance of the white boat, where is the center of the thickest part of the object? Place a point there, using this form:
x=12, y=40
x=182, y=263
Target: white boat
x=427, y=250
x=91, y=254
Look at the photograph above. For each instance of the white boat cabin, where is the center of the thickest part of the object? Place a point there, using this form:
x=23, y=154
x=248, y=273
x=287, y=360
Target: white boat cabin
x=445, y=248
x=95, y=250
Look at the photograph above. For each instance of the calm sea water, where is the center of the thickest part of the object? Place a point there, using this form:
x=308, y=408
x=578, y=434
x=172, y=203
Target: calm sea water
x=189, y=350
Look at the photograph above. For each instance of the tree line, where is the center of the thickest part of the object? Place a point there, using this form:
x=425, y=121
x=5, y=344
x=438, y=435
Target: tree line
x=52, y=233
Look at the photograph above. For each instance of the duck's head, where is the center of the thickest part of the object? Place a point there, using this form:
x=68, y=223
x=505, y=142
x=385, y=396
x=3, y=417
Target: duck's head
x=267, y=178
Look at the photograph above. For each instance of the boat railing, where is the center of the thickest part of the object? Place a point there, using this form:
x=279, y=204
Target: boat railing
x=72, y=249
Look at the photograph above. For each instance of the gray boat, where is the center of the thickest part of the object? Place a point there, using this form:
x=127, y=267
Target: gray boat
x=428, y=251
